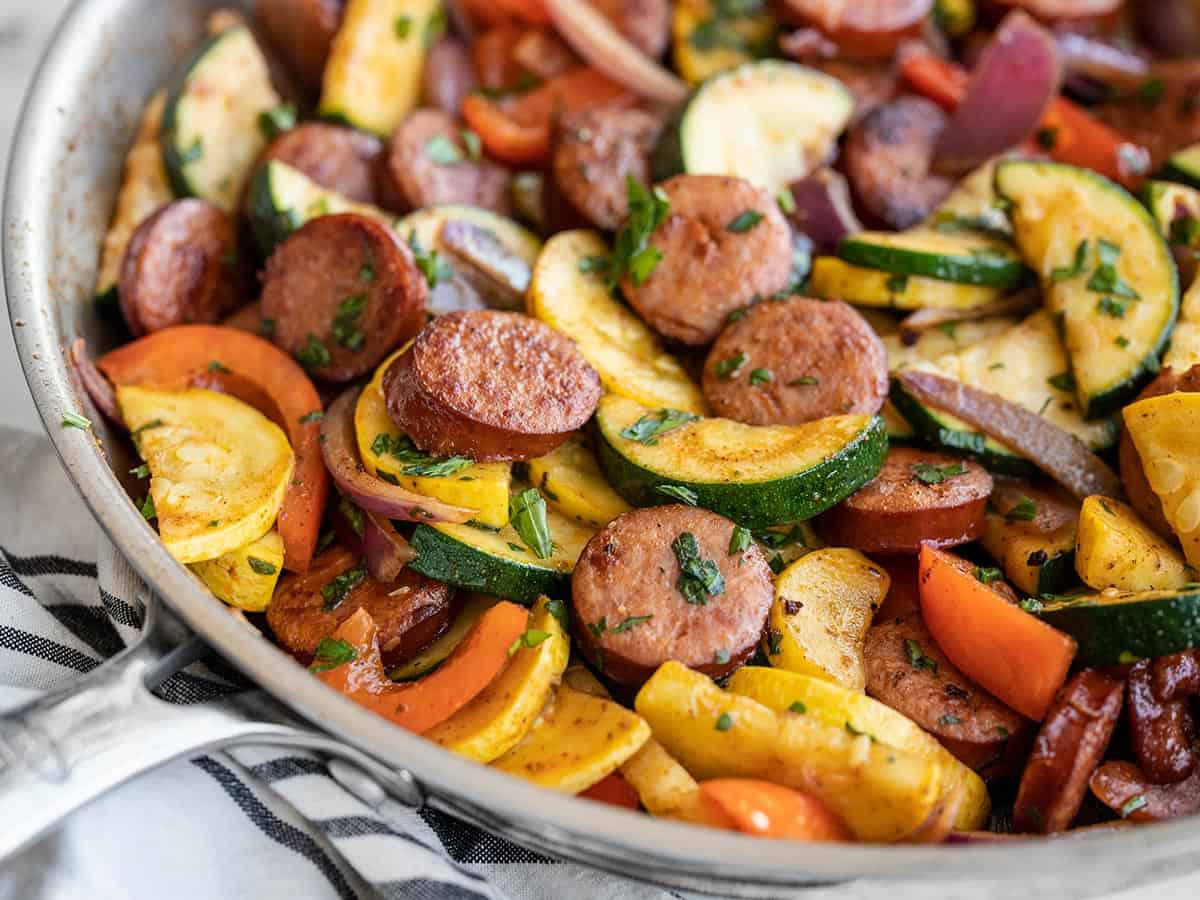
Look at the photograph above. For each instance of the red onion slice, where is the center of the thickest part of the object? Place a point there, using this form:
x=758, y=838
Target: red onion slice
x=595, y=39
x=1017, y=77
x=368, y=493
x=103, y=395
x=824, y=210
x=386, y=551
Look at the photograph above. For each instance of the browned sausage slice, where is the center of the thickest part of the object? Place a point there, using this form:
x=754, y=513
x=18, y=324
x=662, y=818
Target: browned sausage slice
x=180, y=268
x=659, y=584
x=341, y=159
x=918, y=497
x=1067, y=750
x=490, y=385
x=1160, y=715
x=449, y=76
x=862, y=29
x=302, y=31
x=341, y=293
x=907, y=671
x=795, y=360
x=429, y=162
x=597, y=151
x=723, y=243
x=644, y=23
x=411, y=611
x=1123, y=788
x=888, y=154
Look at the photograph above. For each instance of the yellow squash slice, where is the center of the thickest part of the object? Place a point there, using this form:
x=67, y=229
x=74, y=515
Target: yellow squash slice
x=1166, y=432
x=571, y=480
x=1116, y=549
x=245, y=577
x=832, y=278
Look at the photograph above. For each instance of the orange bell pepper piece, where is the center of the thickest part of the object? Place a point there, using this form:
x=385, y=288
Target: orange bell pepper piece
x=615, y=791
x=764, y=809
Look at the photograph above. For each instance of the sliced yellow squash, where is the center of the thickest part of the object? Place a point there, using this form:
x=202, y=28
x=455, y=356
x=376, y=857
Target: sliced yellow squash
x=833, y=278
x=933, y=343
x=218, y=467
x=245, y=577
x=571, y=480
x=705, y=43
x=1116, y=549
x=1166, y=432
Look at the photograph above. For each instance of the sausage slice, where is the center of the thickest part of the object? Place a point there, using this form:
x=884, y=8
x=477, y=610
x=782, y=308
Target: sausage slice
x=888, y=154
x=863, y=29
x=490, y=385
x=342, y=292
x=1123, y=788
x=918, y=497
x=411, y=612
x=723, y=243
x=429, y=162
x=337, y=158
x=1067, y=750
x=660, y=583
x=449, y=76
x=301, y=30
x=795, y=360
x=597, y=151
x=180, y=268
x=1160, y=715
x=907, y=671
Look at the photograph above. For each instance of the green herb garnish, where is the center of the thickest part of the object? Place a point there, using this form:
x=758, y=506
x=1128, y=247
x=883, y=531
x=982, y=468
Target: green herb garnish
x=760, y=377
x=261, y=566
x=527, y=515
x=75, y=420
x=650, y=427
x=331, y=653
x=744, y=222
x=699, y=578
x=1062, y=273
x=728, y=367
x=529, y=638
x=917, y=658
x=724, y=722
x=928, y=473
x=1063, y=381
x=630, y=622
x=739, y=540
x=1024, y=511
x=275, y=121
x=678, y=492
x=988, y=574
x=314, y=354
x=335, y=591
x=632, y=252
x=442, y=151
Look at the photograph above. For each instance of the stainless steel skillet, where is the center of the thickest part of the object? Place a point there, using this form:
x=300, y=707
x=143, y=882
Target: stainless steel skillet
x=106, y=58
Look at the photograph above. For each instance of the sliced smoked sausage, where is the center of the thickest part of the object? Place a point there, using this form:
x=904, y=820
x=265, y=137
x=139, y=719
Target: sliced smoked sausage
x=301, y=30
x=411, y=612
x=660, y=583
x=1160, y=715
x=490, y=385
x=337, y=158
x=723, y=243
x=1123, y=788
x=888, y=154
x=1068, y=748
x=908, y=672
x=862, y=29
x=644, y=23
x=795, y=360
x=342, y=292
x=428, y=162
x=180, y=268
x=918, y=497
x=597, y=151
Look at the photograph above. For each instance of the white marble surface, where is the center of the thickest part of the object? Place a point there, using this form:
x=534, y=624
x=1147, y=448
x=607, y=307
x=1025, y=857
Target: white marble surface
x=25, y=26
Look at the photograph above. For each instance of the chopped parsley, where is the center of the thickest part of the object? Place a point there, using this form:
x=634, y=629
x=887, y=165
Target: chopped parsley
x=917, y=658
x=678, y=492
x=1112, y=307
x=335, y=591
x=761, y=376
x=215, y=365
x=417, y=463
x=897, y=284
x=798, y=707
x=774, y=641
x=261, y=566
x=724, y=722
x=558, y=609
x=1024, y=511
x=699, y=578
x=1105, y=279
x=804, y=379
x=1185, y=231
x=315, y=415
x=630, y=622
x=1132, y=805
x=928, y=473
x=527, y=515
x=988, y=574
x=473, y=143
x=402, y=27
x=529, y=638
x=193, y=153
x=442, y=151
x=153, y=423
x=776, y=563
x=147, y=509
x=75, y=420
x=632, y=252
x=650, y=427
x=786, y=201
x=590, y=264
x=275, y=121
x=728, y=367
x=1062, y=273
x=739, y=540
x=142, y=471
x=721, y=657
x=1063, y=381
x=345, y=323
x=949, y=719
x=744, y=222
x=1047, y=138
x=1151, y=91
x=331, y=653
x=435, y=269
x=314, y=354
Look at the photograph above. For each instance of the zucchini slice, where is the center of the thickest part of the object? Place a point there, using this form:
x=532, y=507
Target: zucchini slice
x=373, y=76
x=569, y=295
x=497, y=561
x=710, y=39
x=281, y=199
x=964, y=257
x=772, y=122
x=144, y=188
x=932, y=344
x=436, y=653
x=757, y=476
x=972, y=206
x=210, y=131
x=1113, y=628
x=479, y=486
x=1035, y=545
x=571, y=480
x=1176, y=211
x=1118, y=550
x=834, y=278
x=1185, y=165
x=1107, y=273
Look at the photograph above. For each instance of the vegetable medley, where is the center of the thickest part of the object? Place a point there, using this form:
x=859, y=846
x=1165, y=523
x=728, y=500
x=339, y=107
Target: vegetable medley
x=780, y=417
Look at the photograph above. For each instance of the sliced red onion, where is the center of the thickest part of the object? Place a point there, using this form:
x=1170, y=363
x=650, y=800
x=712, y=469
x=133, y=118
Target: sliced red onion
x=1100, y=61
x=500, y=275
x=386, y=551
x=1018, y=75
x=368, y=493
x=98, y=388
x=824, y=210
x=594, y=38
x=1012, y=305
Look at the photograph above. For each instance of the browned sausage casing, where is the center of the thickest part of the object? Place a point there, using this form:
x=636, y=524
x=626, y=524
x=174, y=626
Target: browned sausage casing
x=823, y=359
x=428, y=163
x=490, y=385
x=899, y=511
x=708, y=270
x=888, y=154
x=337, y=158
x=342, y=292
x=862, y=29
x=180, y=268
x=596, y=151
x=302, y=31
x=411, y=612
x=1160, y=716
x=1123, y=788
x=972, y=724
x=1068, y=748
x=628, y=571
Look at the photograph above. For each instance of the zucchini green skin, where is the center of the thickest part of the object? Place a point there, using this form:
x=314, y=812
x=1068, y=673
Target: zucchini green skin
x=1108, y=634
x=987, y=269
x=1184, y=166
x=443, y=558
x=757, y=505
x=666, y=160
x=968, y=443
x=173, y=158
x=270, y=221
x=1057, y=574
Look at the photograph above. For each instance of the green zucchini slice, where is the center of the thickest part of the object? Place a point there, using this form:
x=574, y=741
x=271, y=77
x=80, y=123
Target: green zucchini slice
x=1185, y=166
x=1176, y=211
x=1113, y=628
x=965, y=257
x=768, y=121
x=210, y=132
x=1106, y=272
x=832, y=277
x=756, y=476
